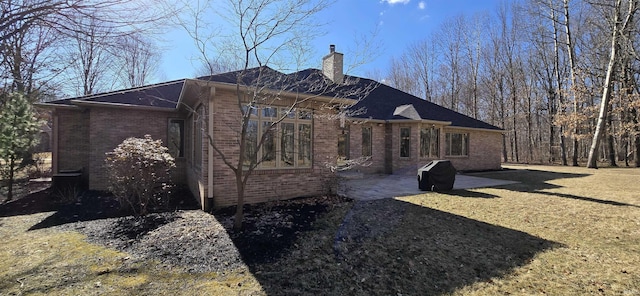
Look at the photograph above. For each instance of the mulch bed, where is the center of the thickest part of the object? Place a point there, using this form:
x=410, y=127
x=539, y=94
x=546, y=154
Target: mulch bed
x=181, y=236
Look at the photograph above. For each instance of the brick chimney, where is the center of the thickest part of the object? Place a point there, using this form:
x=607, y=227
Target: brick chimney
x=332, y=65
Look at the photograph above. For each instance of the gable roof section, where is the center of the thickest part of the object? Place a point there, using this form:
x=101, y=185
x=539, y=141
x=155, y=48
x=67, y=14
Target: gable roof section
x=407, y=111
x=382, y=102
x=162, y=95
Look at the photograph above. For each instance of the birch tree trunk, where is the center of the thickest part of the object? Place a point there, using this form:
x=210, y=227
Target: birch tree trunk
x=606, y=92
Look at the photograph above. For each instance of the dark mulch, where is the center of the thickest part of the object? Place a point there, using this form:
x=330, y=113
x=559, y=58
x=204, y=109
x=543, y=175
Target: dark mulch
x=179, y=235
x=270, y=229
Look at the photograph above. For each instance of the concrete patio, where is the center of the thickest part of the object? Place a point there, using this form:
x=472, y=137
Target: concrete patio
x=371, y=187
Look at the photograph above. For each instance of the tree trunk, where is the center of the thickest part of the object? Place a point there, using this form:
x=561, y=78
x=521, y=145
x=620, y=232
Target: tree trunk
x=515, y=129
x=637, y=144
x=611, y=143
x=606, y=92
x=556, y=62
x=12, y=163
x=563, y=147
x=572, y=65
x=576, y=151
x=239, y=216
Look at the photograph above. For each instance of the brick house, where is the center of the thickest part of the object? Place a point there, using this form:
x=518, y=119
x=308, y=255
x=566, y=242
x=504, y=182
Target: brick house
x=396, y=131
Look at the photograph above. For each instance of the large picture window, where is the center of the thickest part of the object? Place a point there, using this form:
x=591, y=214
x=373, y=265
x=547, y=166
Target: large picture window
x=366, y=141
x=457, y=144
x=287, y=144
x=429, y=142
x=405, y=142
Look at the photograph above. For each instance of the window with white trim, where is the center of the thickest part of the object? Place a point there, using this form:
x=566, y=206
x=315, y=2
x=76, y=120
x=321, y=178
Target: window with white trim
x=457, y=144
x=287, y=144
x=429, y=142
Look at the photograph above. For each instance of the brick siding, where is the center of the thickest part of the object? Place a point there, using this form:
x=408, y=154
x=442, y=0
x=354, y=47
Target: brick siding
x=484, y=148
x=109, y=127
x=265, y=185
x=73, y=147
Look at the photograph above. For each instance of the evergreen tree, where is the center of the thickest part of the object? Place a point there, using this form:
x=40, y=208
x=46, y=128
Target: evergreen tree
x=18, y=132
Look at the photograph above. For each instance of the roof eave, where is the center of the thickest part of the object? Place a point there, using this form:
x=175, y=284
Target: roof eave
x=55, y=106
x=120, y=105
x=477, y=129
x=426, y=121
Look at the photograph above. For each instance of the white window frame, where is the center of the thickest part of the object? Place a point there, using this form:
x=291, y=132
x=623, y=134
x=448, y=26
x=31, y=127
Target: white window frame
x=299, y=118
x=432, y=131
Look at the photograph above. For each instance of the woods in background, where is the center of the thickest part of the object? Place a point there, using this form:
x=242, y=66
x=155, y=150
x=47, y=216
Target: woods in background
x=541, y=70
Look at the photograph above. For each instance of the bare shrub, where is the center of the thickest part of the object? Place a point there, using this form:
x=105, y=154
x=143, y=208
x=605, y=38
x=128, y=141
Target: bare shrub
x=139, y=172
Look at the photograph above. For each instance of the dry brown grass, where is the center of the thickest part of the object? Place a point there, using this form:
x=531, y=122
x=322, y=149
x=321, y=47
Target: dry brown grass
x=561, y=231
x=593, y=214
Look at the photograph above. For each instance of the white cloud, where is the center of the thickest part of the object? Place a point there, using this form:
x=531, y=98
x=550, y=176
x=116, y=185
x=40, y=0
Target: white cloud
x=421, y=5
x=392, y=2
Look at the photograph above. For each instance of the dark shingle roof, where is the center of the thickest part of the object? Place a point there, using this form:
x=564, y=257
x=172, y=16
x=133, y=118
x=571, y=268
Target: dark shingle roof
x=376, y=101
x=382, y=102
x=309, y=81
x=162, y=95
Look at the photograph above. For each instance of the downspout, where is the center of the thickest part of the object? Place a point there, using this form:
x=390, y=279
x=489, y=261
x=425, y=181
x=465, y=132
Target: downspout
x=54, y=144
x=209, y=198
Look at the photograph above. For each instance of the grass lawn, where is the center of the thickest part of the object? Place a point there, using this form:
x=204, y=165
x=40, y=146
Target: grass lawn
x=560, y=231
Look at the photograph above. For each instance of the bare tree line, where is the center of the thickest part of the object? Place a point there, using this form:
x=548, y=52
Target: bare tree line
x=52, y=49
x=558, y=76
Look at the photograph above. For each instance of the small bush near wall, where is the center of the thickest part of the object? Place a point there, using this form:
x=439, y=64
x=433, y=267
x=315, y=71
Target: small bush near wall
x=139, y=174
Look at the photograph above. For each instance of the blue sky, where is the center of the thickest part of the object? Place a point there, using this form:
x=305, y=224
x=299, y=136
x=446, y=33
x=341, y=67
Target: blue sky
x=398, y=22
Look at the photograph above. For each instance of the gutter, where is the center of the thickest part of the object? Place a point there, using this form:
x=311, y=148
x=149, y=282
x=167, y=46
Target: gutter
x=120, y=105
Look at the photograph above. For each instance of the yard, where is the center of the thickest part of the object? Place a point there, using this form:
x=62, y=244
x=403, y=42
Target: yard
x=561, y=231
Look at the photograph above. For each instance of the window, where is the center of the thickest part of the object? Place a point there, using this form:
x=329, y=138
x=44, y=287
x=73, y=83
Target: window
x=429, y=142
x=366, y=141
x=175, y=137
x=457, y=144
x=343, y=144
x=251, y=142
x=304, y=144
x=405, y=142
x=287, y=144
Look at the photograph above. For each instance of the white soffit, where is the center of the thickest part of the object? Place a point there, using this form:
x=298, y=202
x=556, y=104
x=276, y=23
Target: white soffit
x=407, y=111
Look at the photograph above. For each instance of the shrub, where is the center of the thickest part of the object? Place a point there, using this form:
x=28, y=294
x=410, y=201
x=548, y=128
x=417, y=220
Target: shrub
x=139, y=172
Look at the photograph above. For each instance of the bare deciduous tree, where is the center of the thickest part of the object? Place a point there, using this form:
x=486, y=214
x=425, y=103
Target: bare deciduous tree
x=264, y=35
x=139, y=58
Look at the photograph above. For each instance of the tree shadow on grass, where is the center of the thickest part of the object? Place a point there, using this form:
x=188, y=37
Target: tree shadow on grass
x=468, y=194
x=422, y=251
x=536, y=181
x=589, y=199
x=529, y=180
